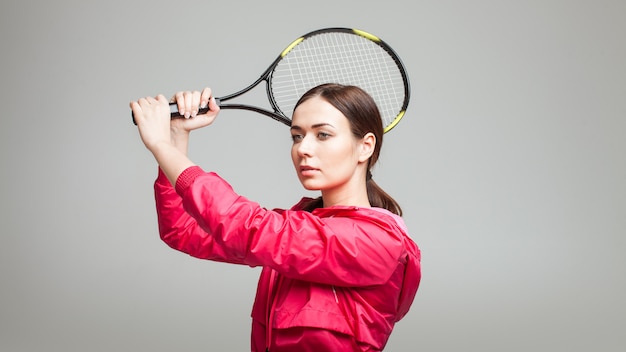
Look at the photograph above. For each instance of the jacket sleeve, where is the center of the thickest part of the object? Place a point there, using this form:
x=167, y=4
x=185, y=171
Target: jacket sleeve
x=180, y=231
x=345, y=249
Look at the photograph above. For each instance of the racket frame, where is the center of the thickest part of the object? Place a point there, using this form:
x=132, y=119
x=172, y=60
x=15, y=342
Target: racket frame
x=266, y=77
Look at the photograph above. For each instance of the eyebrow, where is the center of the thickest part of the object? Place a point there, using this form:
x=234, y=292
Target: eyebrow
x=317, y=125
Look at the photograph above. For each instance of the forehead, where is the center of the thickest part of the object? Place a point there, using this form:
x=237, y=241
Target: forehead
x=317, y=111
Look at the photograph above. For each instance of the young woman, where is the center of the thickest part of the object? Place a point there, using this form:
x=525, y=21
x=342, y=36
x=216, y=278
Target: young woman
x=338, y=271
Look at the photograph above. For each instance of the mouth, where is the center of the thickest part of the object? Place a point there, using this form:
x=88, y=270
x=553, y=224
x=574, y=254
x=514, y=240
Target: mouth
x=308, y=170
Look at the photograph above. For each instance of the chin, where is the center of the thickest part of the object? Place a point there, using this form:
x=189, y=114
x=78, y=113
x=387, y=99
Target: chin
x=310, y=186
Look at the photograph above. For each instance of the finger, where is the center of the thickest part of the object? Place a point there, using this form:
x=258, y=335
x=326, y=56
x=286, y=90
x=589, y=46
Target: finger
x=148, y=104
x=143, y=103
x=180, y=103
x=163, y=106
x=188, y=103
x=205, y=96
x=144, y=108
x=136, y=109
x=213, y=106
x=195, y=103
x=162, y=100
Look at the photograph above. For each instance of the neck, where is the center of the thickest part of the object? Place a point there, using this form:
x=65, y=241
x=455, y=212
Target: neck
x=351, y=194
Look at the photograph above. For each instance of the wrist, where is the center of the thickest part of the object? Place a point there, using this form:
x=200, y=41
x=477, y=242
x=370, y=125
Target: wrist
x=180, y=139
x=178, y=133
x=160, y=147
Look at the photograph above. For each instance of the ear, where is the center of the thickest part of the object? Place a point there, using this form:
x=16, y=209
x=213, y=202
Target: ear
x=367, y=146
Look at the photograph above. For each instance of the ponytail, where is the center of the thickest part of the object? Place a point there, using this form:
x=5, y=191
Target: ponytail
x=381, y=199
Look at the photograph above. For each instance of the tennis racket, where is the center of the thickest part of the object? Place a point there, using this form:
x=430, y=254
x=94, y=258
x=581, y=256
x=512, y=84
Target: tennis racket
x=332, y=55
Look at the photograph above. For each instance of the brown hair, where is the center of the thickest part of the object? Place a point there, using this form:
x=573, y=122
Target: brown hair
x=364, y=117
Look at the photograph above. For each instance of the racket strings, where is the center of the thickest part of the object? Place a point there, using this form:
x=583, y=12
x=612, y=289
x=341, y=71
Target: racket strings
x=344, y=58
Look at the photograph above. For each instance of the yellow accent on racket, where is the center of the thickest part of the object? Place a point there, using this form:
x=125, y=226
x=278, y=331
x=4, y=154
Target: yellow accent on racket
x=366, y=35
x=291, y=46
x=394, y=122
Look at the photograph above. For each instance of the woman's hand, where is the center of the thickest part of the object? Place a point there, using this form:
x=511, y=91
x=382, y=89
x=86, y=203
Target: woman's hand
x=152, y=116
x=189, y=104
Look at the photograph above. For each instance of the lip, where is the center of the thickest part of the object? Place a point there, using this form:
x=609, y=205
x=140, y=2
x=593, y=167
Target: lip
x=306, y=170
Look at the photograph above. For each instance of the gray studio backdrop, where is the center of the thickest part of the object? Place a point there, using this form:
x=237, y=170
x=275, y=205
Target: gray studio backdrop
x=509, y=165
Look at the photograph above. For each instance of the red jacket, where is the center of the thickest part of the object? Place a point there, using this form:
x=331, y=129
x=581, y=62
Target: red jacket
x=335, y=279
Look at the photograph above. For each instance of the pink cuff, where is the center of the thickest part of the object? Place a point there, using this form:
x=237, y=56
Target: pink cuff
x=186, y=178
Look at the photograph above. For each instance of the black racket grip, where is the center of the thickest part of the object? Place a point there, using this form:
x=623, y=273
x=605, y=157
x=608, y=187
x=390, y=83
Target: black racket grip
x=174, y=111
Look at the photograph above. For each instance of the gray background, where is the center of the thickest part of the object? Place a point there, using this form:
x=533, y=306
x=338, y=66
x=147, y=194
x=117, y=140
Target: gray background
x=509, y=165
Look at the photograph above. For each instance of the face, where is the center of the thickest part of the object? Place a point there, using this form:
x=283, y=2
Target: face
x=325, y=153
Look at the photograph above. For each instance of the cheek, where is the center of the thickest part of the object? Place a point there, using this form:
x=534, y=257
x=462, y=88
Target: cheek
x=340, y=157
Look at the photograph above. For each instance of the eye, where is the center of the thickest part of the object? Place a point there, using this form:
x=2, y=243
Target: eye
x=323, y=135
x=296, y=137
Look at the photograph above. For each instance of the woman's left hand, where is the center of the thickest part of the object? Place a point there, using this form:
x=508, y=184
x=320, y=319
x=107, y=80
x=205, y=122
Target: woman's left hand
x=152, y=116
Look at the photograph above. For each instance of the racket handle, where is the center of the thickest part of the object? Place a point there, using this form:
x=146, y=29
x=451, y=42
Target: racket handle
x=174, y=111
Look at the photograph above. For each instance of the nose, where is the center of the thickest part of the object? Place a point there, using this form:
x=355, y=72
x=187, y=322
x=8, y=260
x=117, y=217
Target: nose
x=304, y=148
